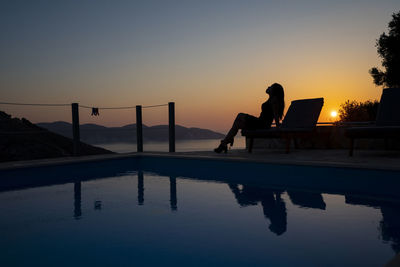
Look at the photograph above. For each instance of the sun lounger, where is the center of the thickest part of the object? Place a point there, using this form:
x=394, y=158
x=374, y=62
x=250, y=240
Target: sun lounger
x=300, y=121
x=387, y=123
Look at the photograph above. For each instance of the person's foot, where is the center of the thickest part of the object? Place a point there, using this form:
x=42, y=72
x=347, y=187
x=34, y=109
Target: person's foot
x=221, y=148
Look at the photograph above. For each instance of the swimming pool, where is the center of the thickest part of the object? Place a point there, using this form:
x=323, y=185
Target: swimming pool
x=169, y=211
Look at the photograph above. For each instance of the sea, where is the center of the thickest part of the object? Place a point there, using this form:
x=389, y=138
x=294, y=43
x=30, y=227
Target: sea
x=180, y=146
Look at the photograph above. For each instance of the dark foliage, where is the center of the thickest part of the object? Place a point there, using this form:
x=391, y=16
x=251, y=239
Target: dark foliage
x=352, y=111
x=388, y=47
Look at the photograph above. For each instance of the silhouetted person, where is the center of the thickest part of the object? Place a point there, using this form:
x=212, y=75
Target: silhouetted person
x=77, y=201
x=172, y=191
x=271, y=110
x=274, y=207
x=140, y=188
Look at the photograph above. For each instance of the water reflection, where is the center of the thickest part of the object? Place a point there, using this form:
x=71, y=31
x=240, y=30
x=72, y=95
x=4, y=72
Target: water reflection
x=389, y=226
x=274, y=207
x=77, y=200
x=307, y=199
x=140, y=188
x=172, y=192
x=97, y=205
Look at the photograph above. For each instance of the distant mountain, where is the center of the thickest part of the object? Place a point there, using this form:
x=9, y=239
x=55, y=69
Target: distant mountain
x=23, y=140
x=97, y=134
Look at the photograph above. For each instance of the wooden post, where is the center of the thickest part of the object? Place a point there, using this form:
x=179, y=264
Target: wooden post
x=171, y=113
x=139, y=129
x=75, y=127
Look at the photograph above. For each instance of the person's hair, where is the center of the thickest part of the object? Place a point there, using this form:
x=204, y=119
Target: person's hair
x=279, y=95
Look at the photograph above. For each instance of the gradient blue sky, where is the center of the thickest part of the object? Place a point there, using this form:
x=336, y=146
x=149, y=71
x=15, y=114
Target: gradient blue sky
x=213, y=58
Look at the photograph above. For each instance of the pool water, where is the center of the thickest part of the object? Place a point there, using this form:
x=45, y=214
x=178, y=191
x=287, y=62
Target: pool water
x=149, y=212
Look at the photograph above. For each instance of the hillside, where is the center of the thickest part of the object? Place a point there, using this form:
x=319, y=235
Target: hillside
x=23, y=140
x=96, y=134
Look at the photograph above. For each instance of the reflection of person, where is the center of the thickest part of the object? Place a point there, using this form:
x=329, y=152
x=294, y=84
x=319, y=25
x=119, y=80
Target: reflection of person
x=271, y=110
x=275, y=210
x=274, y=207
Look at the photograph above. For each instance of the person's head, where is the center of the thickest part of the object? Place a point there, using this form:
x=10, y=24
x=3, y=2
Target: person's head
x=275, y=90
x=277, y=96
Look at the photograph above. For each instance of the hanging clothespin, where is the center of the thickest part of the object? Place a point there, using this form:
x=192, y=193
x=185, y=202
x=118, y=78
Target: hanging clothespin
x=95, y=112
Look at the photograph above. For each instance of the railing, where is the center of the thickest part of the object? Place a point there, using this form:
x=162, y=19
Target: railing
x=171, y=126
x=139, y=122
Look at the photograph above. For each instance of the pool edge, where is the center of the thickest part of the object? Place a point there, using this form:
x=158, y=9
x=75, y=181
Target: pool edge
x=72, y=160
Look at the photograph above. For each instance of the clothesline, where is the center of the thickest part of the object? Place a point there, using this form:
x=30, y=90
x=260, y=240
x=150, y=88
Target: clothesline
x=82, y=106
x=130, y=107
x=34, y=104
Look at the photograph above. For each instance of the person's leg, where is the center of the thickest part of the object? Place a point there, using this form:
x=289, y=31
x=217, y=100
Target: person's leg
x=239, y=123
x=242, y=121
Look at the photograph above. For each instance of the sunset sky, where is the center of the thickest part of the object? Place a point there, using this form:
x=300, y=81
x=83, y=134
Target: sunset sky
x=213, y=58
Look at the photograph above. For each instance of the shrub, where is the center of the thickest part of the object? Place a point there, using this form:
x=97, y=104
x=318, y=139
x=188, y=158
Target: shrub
x=352, y=111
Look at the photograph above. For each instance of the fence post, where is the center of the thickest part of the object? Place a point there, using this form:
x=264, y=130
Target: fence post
x=139, y=129
x=75, y=127
x=171, y=113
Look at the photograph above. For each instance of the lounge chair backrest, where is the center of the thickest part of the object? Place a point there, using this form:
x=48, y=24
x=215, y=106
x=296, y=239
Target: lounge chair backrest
x=389, y=108
x=303, y=113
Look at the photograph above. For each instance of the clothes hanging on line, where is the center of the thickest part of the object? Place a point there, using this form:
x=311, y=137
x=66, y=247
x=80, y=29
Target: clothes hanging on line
x=95, y=112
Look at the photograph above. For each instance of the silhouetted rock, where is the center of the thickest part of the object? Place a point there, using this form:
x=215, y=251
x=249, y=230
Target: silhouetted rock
x=23, y=140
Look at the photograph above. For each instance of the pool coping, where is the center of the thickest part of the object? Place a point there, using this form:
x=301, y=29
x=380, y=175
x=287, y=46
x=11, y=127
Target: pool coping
x=193, y=156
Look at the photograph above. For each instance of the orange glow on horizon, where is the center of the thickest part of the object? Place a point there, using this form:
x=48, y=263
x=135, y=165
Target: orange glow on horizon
x=210, y=97
x=213, y=67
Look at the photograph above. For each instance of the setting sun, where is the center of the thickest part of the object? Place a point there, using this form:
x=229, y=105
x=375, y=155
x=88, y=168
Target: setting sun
x=333, y=114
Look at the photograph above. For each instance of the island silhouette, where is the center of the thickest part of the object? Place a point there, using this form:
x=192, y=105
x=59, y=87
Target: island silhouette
x=97, y=134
